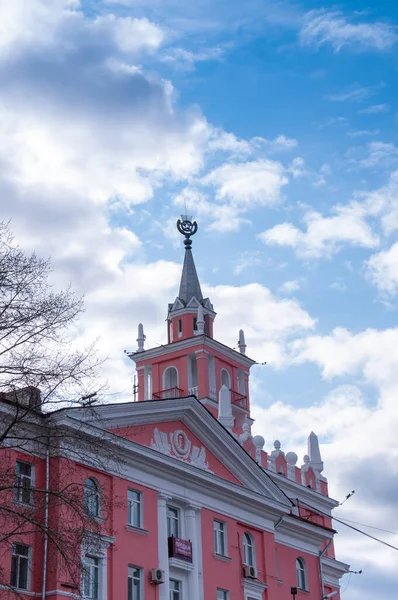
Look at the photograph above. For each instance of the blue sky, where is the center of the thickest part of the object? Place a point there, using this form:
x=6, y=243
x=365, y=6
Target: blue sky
x=274, y=123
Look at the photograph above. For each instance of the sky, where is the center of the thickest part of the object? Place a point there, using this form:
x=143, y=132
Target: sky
x=274, y=124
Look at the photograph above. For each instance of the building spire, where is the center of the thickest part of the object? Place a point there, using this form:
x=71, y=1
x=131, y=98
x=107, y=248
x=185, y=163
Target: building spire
x=189, y=286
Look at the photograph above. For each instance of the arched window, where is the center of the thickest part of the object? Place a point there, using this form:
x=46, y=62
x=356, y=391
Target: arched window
x=248, y=550
x=92, y=498
x=225, y=378
x=301, y=571
x=170, y=378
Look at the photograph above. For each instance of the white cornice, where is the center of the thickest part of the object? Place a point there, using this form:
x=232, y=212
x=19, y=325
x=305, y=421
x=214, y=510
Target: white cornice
x=188, y=343
x=302, y=535
x=333, y=570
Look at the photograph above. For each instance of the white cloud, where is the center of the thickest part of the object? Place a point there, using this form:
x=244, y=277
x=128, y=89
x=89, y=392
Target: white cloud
x=258, y=182
x=383, y=270
x=373, y=353
x=355, y=93
x=379, y=153
x=269, y=324
x=324, y=236
x=289, y=287
x=321, y=27
x=131, y=35
x=246, y=260
x=374, y=109
x=221, y=140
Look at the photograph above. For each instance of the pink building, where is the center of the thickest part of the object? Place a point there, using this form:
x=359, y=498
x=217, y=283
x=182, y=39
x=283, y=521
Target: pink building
x=196, y=508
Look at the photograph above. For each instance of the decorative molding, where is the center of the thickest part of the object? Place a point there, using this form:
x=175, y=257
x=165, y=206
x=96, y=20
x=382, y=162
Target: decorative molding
x=254, y=589
x=180, y=447
x=139, y=530
x=182, y=565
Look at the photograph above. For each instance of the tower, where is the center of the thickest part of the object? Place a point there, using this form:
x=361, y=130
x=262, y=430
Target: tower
x=193, y=362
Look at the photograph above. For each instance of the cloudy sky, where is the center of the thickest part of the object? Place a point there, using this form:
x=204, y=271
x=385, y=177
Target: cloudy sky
x=274, y=123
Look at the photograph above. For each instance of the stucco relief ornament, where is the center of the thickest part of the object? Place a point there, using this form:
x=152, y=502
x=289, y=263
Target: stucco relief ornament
x=180, y=444
x=180, y=447
x=160, y=442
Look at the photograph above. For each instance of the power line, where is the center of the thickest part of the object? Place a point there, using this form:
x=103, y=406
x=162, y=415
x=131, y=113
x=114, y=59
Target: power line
x=372, y=527
x=372, y=537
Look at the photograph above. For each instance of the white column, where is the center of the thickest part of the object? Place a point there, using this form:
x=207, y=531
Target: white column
x=193, y=533
x=163, y=550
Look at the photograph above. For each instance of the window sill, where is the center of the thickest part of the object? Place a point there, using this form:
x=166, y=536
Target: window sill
x=302, y=591
x=222, y=557
x=24, y=504
x=139, y=530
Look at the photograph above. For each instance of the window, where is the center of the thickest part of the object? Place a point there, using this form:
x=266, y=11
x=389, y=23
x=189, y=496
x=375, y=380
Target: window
x=91, y=577
x=225, y=378
x=24, y=482
x=134, y=583
x=170, y=378
x=175, y=588
x=91, y=498
x=20, y=566
x=222, y=594
x=195, y=323
x=301, y=574
x=248, y=550
x=173, y=522
x=179, y=326
x=220, y=538
x=134, y=508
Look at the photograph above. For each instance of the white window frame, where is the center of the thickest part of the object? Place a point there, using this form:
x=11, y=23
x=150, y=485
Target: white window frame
x=167, y=386
x=228, y=384
x=301, y=574
x=87, y=504
x=177, y=519
x=89, y=568
x=220, y=533
x=19, y=489
x=246, y=550
x=222, y=594
x=130, y=510
x=141, y=580
x=180, y=590
x=29, y=564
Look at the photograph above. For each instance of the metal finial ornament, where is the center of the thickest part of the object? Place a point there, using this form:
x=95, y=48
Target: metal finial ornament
x=187, y=227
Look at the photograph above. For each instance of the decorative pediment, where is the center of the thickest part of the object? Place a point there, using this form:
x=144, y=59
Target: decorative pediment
x=193, y=303
x=207, y=304
x=178, y=305
x=222, y=453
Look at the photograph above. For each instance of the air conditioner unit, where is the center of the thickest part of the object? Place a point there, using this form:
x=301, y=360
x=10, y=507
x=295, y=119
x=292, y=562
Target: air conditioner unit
x=250, y=572
x=157, y=576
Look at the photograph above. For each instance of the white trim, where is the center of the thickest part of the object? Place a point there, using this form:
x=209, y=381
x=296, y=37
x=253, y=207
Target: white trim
x=192, y=342
x=254, y=589
x=253, y=548
x=165, y=385
x=333, y=570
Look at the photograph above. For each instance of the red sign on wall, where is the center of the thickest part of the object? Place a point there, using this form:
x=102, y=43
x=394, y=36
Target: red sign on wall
x=181, y=549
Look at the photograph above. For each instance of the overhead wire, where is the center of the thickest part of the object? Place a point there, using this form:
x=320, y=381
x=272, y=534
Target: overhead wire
x=350, y=526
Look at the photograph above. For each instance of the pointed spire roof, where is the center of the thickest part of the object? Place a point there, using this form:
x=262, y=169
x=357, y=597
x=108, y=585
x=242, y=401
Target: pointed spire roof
x=189, y=286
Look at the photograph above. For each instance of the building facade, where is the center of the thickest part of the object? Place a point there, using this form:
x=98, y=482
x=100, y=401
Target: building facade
x=187, y=503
